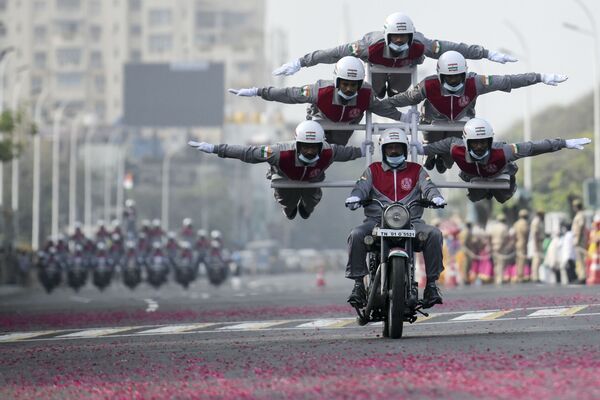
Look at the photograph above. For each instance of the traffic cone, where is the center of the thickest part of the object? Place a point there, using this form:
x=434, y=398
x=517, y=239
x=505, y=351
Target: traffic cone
x=320, y=277
x=593, y=273
x=451, y=276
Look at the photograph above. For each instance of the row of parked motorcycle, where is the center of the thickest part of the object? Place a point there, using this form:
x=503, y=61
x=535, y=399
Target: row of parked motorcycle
x=143, y=258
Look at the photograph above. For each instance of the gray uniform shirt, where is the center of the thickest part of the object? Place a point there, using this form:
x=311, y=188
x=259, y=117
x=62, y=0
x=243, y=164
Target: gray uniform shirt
x=271, y=155
x=360, y=49
x=483, y=84
x=309, y=94
x=424, y=188
x=512, y=152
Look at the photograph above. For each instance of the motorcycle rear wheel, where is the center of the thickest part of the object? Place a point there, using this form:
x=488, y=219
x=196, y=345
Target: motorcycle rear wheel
x=396, y=300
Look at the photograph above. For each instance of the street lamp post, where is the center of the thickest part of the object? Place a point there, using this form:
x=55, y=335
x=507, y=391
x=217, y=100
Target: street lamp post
x=90, y=123
x=35, y=200
x=58, y=115
x=3, y=62
x=73, y=171
x=527, y=172
x=166, y=170
x=107, y=191
x=596, y=82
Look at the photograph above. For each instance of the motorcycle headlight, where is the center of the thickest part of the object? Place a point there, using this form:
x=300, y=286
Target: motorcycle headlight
x=396, y=216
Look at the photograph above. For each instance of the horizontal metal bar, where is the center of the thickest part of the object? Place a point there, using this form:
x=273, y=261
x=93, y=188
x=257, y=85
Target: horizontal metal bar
x=329, y=126
x=391, y=70
x=479, y=184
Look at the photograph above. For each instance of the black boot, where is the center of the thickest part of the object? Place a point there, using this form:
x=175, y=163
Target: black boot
x=292, y=214
x=358, y=297
x=439, y=165
x=302, y=211
x=431, y=295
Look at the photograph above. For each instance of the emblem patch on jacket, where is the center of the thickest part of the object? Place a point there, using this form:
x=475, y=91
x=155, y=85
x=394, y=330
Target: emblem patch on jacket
x=266, y=151
x=354, y=113
x=463, y=101
x=406, y=184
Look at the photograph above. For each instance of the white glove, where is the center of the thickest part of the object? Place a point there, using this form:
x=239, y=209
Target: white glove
x=407, y=116
x=202, y=146
x=353, y=202
x=501, y=58
x=577, y=143
x=439, y=201
x=419, y=147
x=363, y=148
x=250, y=92
x=288, y=69
x=553, y=79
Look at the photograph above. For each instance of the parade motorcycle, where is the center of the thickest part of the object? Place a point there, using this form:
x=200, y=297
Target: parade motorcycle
x=102, y=272
x=392, y=290
x=185, y=269
x=77, y=272
x=217, y=269
x=49, y=271
x=157, y=270
x=132, y=271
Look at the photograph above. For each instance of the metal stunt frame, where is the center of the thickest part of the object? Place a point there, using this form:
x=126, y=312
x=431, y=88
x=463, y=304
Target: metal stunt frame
x=501, y=182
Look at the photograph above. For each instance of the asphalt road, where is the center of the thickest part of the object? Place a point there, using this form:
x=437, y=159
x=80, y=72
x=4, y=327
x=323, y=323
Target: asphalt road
x=284, y=337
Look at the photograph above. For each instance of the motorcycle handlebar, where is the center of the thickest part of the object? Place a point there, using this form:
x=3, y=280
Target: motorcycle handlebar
x=419, y=202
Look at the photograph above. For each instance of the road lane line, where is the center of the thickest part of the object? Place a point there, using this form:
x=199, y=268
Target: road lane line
x=497, y=315
x=549, y=312
x=176, y=328
x=328, y=323
x=251, y=326
x=97, y=332
x=574, y=310
x=13, y=337
x=152, y=305
x=476, y=316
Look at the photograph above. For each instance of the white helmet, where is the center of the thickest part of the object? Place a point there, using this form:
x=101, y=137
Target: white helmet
x=201, y=233
x=187, y=221
x=156, y=222
x=393, y=135
x=129, y=203
x=451, y=63
x=310, y=132
x=215, y=234
x=398, y=24
x=475, y=129
x=349, y=68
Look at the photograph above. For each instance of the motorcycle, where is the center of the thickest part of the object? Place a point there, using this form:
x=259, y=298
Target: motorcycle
x=185, y=270
x=132, y=271
x=49, y=272
x=392, y=290
x=217, y=269
x=77, y=272
x=102, y=272
x=158, y=270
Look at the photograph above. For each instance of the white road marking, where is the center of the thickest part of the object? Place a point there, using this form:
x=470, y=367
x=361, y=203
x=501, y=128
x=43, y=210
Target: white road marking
x=548, y=312
x=305, y=323
x=152, y=305
x=12, y=337
x=251, y=326
x=91, y=333
x=177, y=328
x=328, y=323
x=473, y=316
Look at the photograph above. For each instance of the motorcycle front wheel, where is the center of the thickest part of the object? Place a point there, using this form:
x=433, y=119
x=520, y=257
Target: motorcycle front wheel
x=396, y=299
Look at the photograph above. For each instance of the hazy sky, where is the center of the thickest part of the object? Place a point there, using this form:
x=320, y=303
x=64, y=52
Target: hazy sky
x=317, y=24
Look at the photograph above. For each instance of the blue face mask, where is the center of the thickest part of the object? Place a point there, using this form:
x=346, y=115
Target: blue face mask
x=345, y=96
x=398, y=48
x=476, y=157
x=307, y=160
x=453, y=89
x=395, y=162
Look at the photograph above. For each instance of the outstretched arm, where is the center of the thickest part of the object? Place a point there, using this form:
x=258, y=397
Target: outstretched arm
x=434, y=49
x=440, y=147
x=248, y=154
x=529, y=149
x=347, y=153
x=505, y=83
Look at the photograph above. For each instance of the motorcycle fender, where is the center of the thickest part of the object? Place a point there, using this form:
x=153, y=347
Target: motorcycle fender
x=398, y=253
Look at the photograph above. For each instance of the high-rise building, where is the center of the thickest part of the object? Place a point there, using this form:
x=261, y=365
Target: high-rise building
x=75, y=50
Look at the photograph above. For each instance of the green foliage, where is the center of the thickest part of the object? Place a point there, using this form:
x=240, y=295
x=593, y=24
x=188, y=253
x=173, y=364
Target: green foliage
x=7, y=122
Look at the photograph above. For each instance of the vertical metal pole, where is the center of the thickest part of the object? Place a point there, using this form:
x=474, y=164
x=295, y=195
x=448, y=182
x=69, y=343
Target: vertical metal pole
x=73, y=173
x=55, y=168
x=87, y=207
x=368, y=123
x=166, y=169
x=35, y=198
x=414, y=133
x=120, y=176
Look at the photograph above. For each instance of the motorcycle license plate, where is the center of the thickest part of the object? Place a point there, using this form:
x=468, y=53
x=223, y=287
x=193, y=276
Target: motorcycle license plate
x=407, y=233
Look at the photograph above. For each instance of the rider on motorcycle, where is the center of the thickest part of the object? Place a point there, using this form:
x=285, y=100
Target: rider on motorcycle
x=394, y=180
